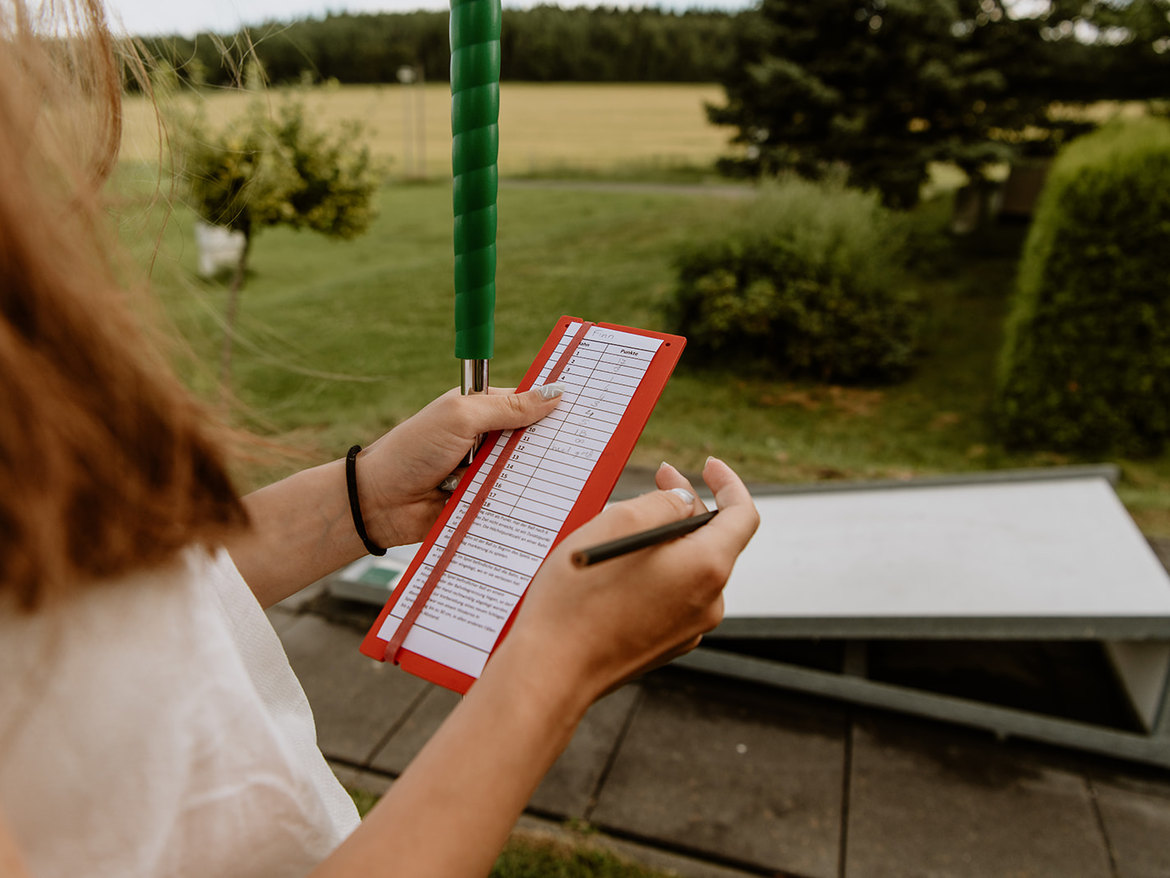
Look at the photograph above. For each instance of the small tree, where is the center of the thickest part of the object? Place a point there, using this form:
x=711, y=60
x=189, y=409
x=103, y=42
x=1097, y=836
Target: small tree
x=271, y=169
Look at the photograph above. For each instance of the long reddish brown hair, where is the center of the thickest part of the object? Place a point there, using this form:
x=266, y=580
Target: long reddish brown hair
x=107, y=464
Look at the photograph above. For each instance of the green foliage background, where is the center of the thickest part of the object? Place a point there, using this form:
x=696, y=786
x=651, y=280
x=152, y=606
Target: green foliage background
x=885, y=87
x=807, y=281
x=534, y=857
x=544, y=44
x=338, y=340
x=1086, y=363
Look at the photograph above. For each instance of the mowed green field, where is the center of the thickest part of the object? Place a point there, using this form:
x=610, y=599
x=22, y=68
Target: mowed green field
x=338, y=341
x=544, y=128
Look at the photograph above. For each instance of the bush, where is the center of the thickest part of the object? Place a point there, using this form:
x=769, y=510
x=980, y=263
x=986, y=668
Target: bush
x=806, y=281
x=1086, y=360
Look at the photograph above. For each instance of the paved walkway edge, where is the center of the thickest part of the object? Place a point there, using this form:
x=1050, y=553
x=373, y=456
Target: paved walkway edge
x=530, y=826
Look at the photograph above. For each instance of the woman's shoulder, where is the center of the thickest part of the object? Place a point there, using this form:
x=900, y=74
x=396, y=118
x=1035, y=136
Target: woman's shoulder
x=131, y=712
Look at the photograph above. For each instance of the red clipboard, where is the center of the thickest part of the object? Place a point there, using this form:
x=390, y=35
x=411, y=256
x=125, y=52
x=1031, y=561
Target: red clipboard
x=591, y=499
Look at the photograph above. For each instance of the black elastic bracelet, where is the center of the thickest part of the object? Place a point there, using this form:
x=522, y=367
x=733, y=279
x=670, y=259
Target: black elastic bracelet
x=354, y=506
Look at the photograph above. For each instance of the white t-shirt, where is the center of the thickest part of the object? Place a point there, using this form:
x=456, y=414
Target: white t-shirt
x=152, y=726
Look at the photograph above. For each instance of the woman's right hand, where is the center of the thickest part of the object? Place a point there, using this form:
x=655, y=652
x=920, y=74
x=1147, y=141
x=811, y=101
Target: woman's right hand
x=579, y=632
x=595, y=627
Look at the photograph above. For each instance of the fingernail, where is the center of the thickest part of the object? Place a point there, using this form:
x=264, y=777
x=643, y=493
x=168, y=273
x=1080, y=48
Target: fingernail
x=709, y=459
x=551, y=391
x=449, y=484
x=686, y=495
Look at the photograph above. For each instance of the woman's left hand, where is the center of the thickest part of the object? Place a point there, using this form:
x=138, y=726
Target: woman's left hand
x=398, y=476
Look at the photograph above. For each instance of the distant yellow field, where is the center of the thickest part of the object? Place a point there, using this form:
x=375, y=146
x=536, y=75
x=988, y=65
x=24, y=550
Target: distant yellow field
x=543, y=127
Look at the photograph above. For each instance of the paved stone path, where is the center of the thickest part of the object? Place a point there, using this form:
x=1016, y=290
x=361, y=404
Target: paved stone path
x=713, y=777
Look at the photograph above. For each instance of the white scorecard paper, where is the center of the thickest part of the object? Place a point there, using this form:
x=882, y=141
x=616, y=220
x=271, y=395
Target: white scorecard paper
x=528, y=504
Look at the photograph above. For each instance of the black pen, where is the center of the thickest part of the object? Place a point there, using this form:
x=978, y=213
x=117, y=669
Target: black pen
x=645, y=539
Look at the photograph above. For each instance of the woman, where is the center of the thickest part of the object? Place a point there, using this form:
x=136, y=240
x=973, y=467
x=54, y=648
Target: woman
x=149, y=722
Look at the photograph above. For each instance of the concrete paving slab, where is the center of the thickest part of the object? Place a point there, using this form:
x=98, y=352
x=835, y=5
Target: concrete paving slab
x=359, y=780
x=302, y=600
x=568, y=788
x=744, y=775
x=937, y=801
x=415, y=729
x=356, y=701
x=281, y=619
x=1136, y=817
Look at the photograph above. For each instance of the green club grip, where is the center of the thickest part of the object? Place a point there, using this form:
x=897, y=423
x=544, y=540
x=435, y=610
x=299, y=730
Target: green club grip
x=475, y=146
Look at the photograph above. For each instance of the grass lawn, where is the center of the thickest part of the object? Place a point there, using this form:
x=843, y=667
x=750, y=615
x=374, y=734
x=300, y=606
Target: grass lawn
x=535, y=857
x=340, y=340
x=530, y=854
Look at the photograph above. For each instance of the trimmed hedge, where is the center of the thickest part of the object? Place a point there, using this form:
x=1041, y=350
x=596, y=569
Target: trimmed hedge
x=805, y=281
x=1086, y=360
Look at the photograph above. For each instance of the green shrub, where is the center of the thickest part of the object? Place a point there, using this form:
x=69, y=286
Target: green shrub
x=806, y=280
x=1086, y=359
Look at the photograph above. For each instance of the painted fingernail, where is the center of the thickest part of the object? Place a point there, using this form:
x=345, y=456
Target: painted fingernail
x=551, y=391
x=686, y=495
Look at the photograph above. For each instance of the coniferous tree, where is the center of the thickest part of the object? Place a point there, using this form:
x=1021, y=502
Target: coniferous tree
x=878, y=87
x=881, y=88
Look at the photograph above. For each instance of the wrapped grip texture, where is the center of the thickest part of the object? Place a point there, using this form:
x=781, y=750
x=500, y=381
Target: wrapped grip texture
x=475, y=146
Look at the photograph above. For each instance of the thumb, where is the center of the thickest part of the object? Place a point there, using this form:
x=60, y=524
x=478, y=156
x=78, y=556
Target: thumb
x=506, y=411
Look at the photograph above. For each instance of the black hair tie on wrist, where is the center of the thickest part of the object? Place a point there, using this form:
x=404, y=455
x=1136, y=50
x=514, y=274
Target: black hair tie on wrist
x=354, y=506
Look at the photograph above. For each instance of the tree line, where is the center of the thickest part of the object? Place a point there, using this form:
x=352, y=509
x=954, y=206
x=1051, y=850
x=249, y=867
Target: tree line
x=878, y=89
x=543, y=44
